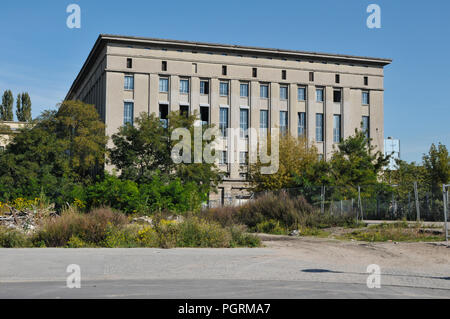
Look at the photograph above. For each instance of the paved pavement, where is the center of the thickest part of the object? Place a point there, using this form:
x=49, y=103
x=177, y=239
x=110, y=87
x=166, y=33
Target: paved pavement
x=201, y=273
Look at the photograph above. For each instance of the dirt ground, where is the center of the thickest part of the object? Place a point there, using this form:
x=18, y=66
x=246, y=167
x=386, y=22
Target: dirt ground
x=414, y=256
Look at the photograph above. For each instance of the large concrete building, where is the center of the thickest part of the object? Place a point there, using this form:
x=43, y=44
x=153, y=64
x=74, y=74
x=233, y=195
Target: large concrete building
x=323, y=96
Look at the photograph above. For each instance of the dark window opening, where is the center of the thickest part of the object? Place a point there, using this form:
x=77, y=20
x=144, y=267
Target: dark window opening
x=224, y=70
x=184, y=110
x=283, y=75
x=164, y=114
x=338, y=78
x=204, y=115
x=311, y=76
x=366, y=80
x=129, y=63
x=164, y=66
x=255, y=72
x=337, y=96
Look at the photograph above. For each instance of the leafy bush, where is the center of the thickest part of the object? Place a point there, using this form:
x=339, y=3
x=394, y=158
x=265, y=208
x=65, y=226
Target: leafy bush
x=226, y=215
x=240, y=238
x=271, y=227
x=11, y=238
x=119, y=194
x=289, y=211
x=91, y=228
x=198, y=233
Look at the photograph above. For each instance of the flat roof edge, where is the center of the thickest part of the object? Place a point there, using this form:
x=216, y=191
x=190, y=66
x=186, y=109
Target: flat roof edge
x=254, y=49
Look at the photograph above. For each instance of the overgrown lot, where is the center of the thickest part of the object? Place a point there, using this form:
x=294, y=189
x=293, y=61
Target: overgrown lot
x=104, y=227
x=399, y=231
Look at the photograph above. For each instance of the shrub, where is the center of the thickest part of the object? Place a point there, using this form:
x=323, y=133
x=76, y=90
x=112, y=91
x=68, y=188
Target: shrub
x=121, y=237
x=119, y=194
x=271, y=227
x=194, y=232
x=91, y=228
x=12, y=238
x=289, y=211
x=240, y=238
x=226, y=215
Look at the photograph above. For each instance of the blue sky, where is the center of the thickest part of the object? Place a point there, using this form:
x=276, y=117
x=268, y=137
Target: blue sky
x=39, y=54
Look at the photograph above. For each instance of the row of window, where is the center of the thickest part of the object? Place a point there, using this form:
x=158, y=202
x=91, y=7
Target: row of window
x=264, y=121
x=254, y=72
x=244, y=90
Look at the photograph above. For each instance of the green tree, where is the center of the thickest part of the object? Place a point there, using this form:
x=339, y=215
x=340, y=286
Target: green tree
x=298, y=166
x=356, y=164
x=79, y=128
x=144, y=150
x=6, y=111
x=437, y=165
x=55, y=152
x=23, y=110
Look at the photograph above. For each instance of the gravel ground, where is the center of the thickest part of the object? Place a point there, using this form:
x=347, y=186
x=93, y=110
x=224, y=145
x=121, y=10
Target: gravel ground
x=285, y=268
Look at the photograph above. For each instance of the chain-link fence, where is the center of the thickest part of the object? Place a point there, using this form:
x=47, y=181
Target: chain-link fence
x=370, y=202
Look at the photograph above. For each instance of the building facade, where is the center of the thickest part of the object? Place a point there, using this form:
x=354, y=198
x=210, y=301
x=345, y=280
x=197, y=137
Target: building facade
x=324, y=97
x=7, y=131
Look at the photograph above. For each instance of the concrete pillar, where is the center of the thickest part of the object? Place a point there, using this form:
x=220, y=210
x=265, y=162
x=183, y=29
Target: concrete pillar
x=174, y=94
x=328, y=122
x=154, y=93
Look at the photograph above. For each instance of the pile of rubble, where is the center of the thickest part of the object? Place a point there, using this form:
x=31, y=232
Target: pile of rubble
x=25, y=219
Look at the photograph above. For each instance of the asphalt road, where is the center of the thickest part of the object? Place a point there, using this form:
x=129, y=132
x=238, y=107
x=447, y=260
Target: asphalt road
x=201, y=273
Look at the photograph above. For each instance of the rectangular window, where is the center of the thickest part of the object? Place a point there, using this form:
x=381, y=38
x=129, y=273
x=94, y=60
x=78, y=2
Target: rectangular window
x=337, y=129
x=223, y=88
x=204, y=87
x=283, y=75
x=319, y=127
x=264, y=91
x=366, y=126
x=366, y=80
x=224, y=70
x=319, y=95
x=283, y=122
x=204, y=115
x=244, y=123
x=128, y=113
x=243, y=158
x=254, y=72
x=184, y=110
x=164, y=85
x=223, y=160
x=129, y=63
x=301, y=124
x=129, y=82
x=337, y=78
x=365, y=98
x=244, y=89
x=301, y=92
x=311, y=76
x=184, y=86
x=337, y=96
x=164, y=65
x=263, y=122
x=283, y=92
x=164, y=115
x=223, y=122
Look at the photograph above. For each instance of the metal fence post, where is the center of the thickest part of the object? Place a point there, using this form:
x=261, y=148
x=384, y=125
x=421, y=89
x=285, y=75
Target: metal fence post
x=445, y=196
x=416, y=194
x=360, y=203
x=322, y=203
